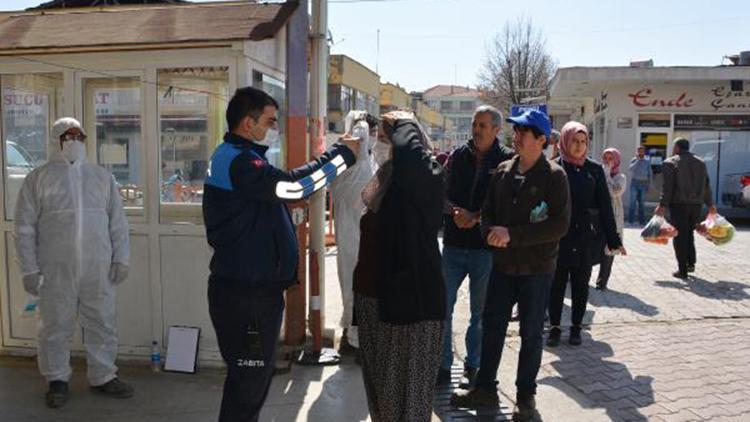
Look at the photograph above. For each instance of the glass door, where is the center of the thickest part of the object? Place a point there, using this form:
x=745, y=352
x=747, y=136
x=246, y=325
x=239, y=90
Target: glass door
x=655, y=141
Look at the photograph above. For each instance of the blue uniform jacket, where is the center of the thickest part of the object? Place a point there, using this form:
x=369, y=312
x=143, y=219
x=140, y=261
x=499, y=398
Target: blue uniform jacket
x=247, y=223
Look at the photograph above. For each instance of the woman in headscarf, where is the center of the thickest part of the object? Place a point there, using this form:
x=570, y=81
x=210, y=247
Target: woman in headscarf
x=399, y=301
x=616, y=182
x=592, y=225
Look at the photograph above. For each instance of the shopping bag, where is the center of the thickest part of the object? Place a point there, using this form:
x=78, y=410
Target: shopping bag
x=658, y=231
x=716, y=229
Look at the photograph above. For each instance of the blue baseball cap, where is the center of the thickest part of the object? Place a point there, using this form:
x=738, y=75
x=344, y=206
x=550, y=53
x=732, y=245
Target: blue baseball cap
x=534, y=118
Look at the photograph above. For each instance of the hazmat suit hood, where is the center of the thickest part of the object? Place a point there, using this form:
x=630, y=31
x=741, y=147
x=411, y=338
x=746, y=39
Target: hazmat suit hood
x=61, y=126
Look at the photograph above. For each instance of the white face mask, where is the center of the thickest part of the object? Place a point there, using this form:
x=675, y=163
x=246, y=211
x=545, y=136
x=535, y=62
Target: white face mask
x=381, y=152
x=272, y=136
x=74, y=150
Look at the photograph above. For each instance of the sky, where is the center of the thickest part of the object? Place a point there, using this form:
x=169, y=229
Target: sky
x=428, y=42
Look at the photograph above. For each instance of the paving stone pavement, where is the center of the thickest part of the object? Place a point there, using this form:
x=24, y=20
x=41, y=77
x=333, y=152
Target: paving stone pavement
x=656, y=348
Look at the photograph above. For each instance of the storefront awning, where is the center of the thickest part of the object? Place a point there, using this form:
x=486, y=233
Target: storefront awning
x=140, y=26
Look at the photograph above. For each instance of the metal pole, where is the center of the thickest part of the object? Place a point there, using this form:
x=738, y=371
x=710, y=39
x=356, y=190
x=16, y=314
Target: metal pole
x=318, y=104
x=297, y=153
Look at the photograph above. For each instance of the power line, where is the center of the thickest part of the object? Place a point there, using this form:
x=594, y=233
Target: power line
x=169, y=87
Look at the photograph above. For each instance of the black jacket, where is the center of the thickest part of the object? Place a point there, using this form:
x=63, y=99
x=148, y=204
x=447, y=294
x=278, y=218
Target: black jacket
x=592, y=221
x=247, y=223
x=410, y=285
x=533, y=245
x=466, y=187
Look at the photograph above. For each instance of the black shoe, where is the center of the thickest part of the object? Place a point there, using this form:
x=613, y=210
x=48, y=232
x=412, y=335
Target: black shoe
x=679, y=274
x=114, y=388
x=475, y=398
x=346, y=348
x=691, y=268
x=469, y=378
x=553, y=339
x=525, y=408
x=443, y=377
x=575, y=336
x=57, y=395
x=601, y=285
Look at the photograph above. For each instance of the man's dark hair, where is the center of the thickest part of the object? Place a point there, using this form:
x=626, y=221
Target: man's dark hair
x=247, y=101
x=682, y=144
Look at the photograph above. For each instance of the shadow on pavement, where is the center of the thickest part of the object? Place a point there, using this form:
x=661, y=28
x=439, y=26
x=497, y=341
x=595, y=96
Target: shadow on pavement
x=341, y=396
x=613, y=299
x=723, y=290
x=607, y=384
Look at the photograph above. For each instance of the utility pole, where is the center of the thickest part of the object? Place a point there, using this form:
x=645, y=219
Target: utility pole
x=297, y=154
x=318, y=110
x=377, y=54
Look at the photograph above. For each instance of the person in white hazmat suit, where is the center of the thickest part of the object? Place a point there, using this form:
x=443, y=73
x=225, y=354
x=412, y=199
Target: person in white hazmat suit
x=73, y=249
x=346, y=192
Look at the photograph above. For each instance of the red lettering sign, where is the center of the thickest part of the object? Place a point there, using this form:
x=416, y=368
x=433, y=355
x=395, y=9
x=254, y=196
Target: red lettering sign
x=643, y=98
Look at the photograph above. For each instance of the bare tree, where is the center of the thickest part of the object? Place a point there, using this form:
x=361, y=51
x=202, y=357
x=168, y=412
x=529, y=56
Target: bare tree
x=516, y=66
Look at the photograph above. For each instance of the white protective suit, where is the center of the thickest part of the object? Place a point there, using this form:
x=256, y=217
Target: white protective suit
x=348, y=208
x=70, y=226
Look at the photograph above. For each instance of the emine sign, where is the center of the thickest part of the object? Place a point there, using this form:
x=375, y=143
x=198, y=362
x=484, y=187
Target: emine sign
x=518, y=110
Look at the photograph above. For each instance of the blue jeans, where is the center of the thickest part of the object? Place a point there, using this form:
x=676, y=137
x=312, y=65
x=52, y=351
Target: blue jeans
x=531, y=293
x=638, y=189
x=457, y=264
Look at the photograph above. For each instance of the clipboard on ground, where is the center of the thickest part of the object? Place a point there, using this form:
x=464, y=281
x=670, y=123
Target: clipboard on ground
x=182, y=349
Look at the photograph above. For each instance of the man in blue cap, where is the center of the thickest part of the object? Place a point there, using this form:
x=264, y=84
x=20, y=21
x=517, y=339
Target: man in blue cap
x=525, y=214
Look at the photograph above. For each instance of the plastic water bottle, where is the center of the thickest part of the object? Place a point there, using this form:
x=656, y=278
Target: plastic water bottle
x=31, y=306
x=155, y=356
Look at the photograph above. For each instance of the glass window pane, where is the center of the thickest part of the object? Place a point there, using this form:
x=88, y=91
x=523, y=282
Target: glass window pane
x=276, y=89
x=112, y=118
x=30, y=104
x=192, y=107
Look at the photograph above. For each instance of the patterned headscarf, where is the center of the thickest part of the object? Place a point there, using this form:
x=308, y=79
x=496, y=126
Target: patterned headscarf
x=567, y=133
x=376, y=188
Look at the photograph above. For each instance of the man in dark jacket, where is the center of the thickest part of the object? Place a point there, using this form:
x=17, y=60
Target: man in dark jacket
x=525, y=214
x=469, y=170
x=254, y=245
x=684, y=190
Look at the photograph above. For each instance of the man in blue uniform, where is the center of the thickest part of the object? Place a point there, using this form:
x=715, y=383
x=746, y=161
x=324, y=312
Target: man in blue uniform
x=254, y=244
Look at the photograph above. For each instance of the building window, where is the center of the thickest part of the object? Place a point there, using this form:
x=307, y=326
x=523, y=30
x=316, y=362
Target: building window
x=112, y=109
x=30, y=104
x=277, y=89
x=192, y=107
x=346, y=100
x=360, y=102
x=372, y=105
x=334, y=97
x=446, y=106
x=468, y=105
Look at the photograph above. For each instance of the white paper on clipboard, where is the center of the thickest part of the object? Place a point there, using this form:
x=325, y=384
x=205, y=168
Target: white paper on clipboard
x=182, y=349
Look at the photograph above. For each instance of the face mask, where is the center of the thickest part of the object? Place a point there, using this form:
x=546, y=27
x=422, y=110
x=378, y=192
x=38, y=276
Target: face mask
x=381, y=152
x=272, y=136
x=74, y=150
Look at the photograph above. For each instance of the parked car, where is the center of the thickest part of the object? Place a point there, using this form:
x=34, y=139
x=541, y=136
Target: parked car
x=18, y=164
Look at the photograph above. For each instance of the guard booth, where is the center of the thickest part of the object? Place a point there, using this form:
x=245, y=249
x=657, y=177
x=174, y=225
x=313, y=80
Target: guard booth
x=150, y=84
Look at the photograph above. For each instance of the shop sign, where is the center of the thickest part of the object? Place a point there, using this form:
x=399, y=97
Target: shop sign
x=517, y=110
x=725, y=99
x=624, y=122
x=646, y=98
x=24, y=107
x=711, y=121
